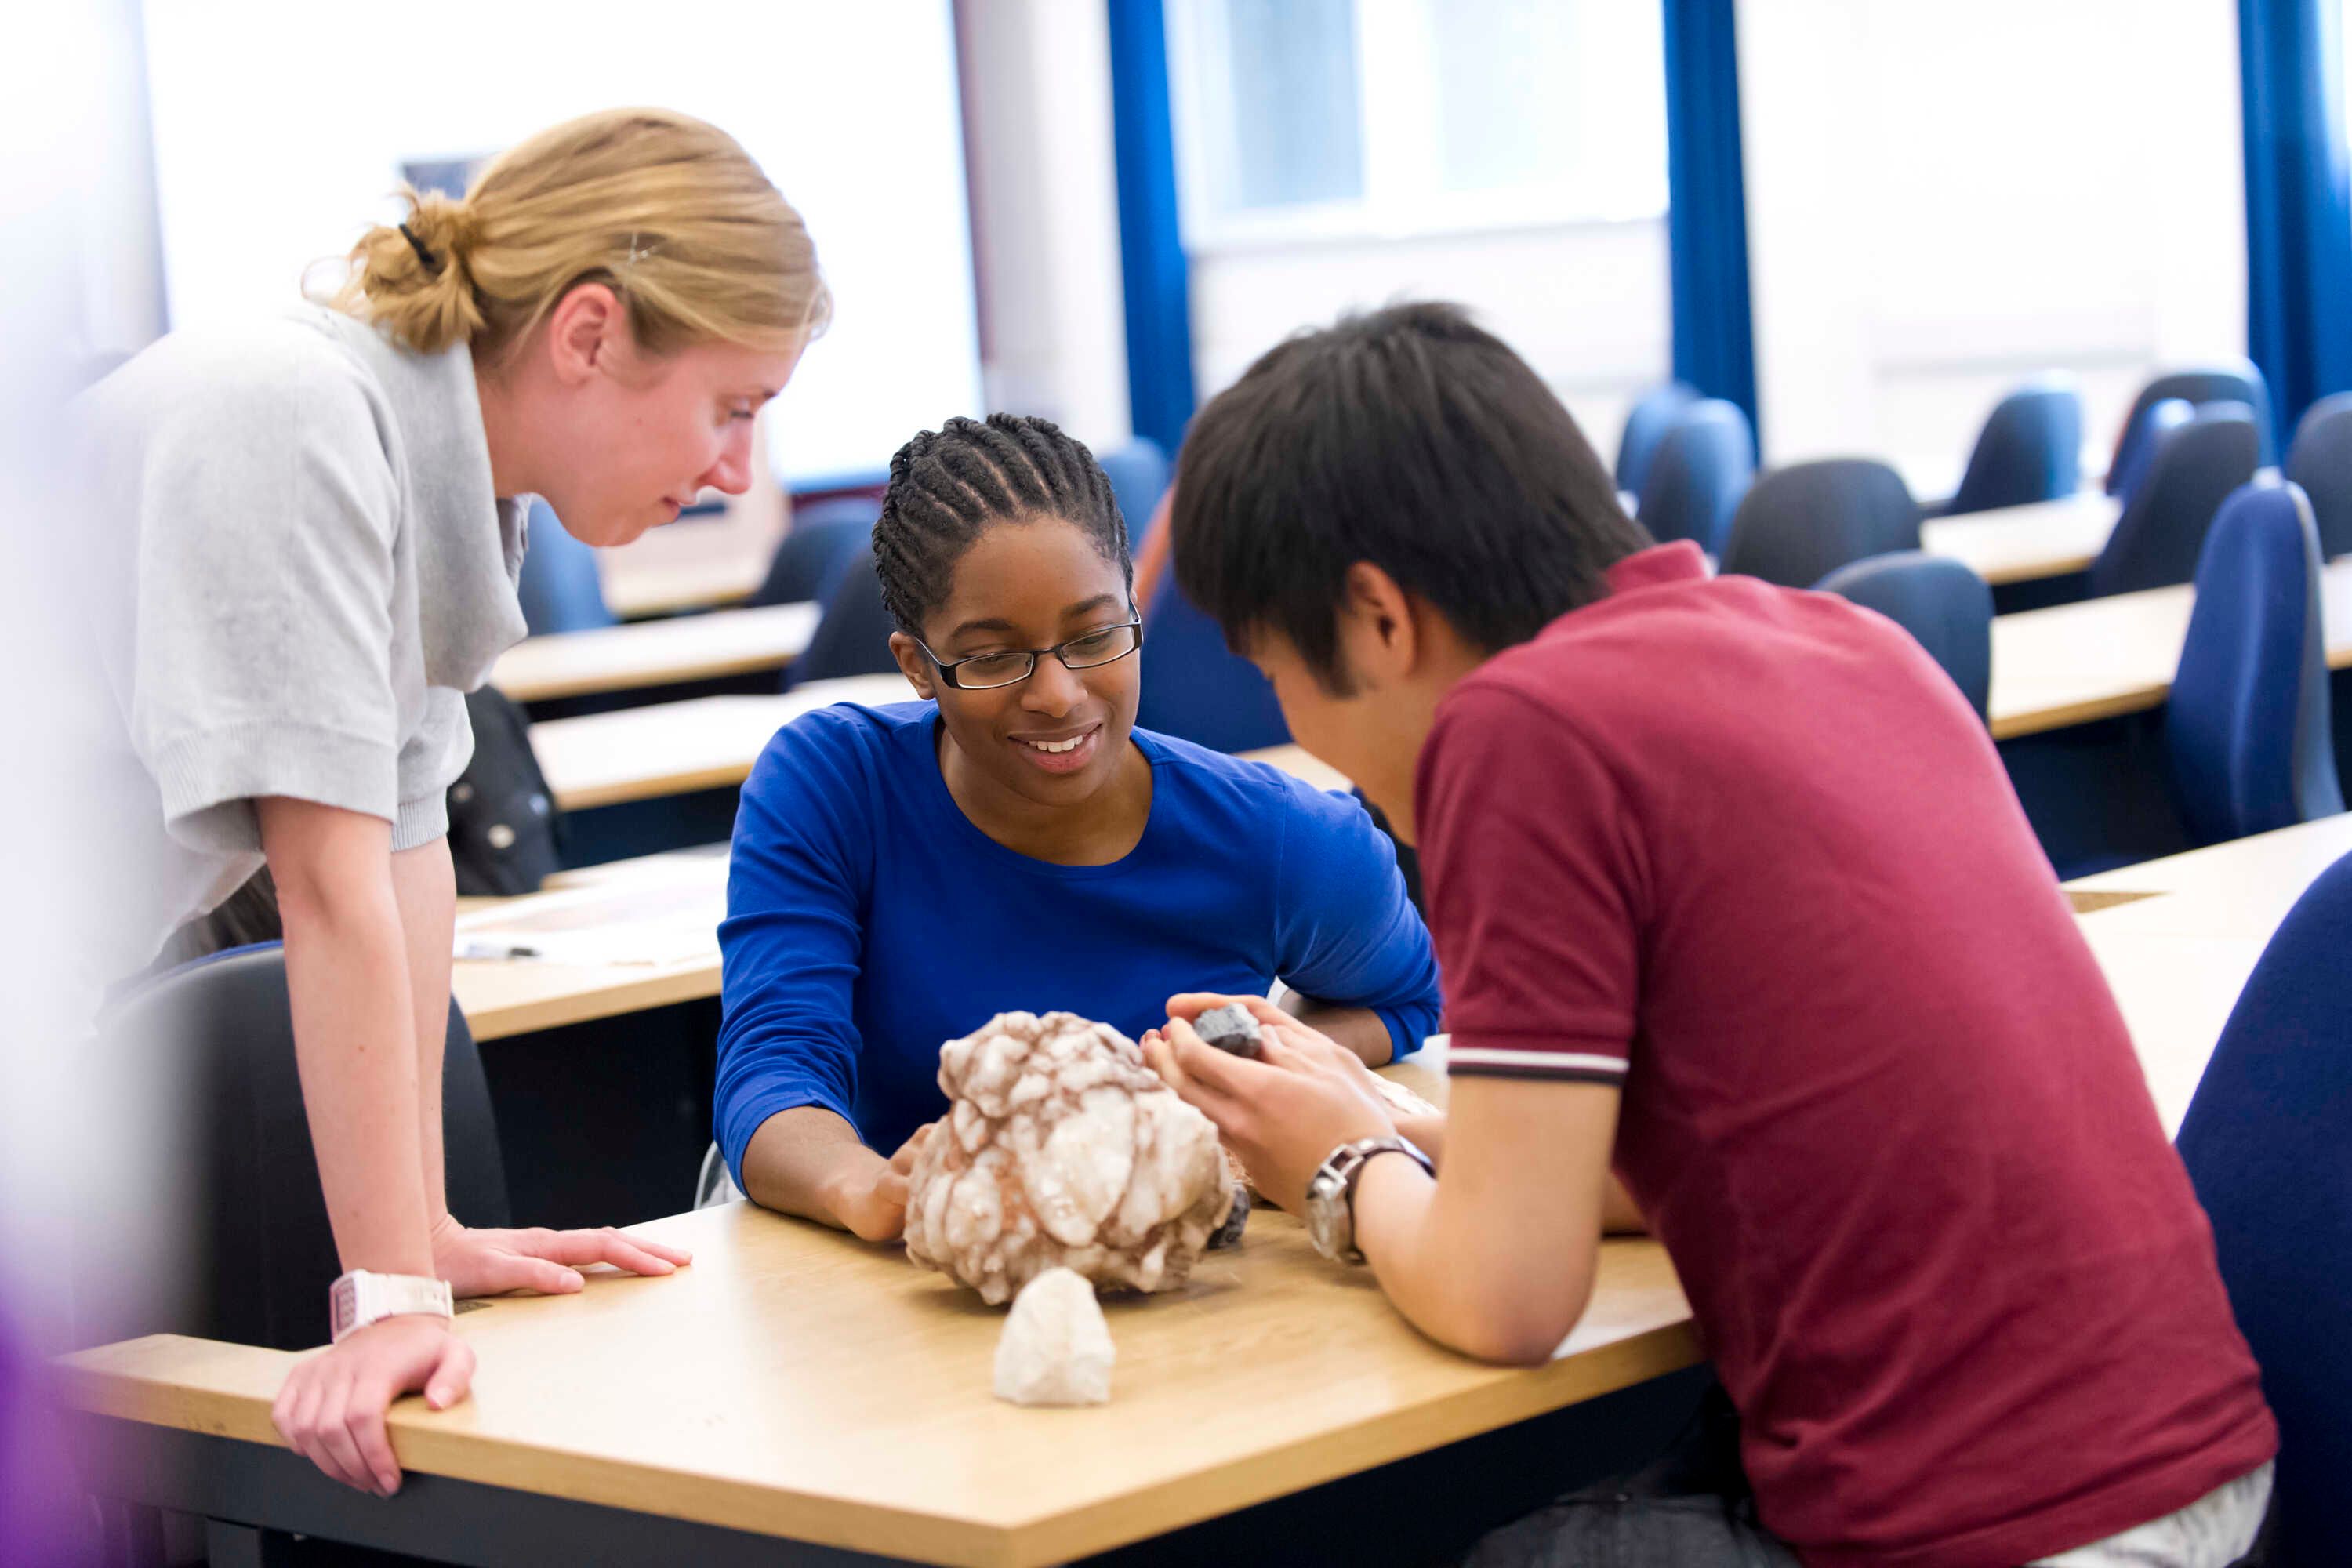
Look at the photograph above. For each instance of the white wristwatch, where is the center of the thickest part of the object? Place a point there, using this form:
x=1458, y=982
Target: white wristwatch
x=359, y=1297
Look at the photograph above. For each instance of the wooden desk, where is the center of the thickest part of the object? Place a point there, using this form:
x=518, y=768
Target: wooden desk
x=2022, y=543
x=657, y=653
x=2104, y=658
x=797, y=1384
x=672, y=748
x=666, y=589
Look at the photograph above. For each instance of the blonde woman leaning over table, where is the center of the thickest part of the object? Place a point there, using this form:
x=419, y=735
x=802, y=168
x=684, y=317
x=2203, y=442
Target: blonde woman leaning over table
x=308, y=529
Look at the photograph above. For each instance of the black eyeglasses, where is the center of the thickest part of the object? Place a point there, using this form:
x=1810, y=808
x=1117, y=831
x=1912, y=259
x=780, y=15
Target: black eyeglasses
x=988, y=670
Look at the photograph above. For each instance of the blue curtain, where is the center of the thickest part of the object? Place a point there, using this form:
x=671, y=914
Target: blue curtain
x=2298, y=201
x=1706, y=223
x=1151, y=248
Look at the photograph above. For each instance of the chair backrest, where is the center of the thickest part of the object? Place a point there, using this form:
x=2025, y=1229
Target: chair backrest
x=2238, y=382
x=1945, y=606
x=2162, y=418
x=825, y=537
x=2321, y=462
x=1701, y=469
x=2030, y=449
x=853, y=635
x=560, y=587
x=229, y=1212
x=1645, y=427
x=2162, y=529
x=1138, y=477
x=1195, y=687
x=1800, y=523
x=2247, y=726
x=2264, y=1141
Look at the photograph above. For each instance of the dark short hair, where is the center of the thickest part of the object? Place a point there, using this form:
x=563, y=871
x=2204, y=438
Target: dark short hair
x=1410, y=438
x=951, y=485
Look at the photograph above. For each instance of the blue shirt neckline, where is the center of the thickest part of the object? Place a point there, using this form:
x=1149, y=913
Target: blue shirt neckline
x=927, y=736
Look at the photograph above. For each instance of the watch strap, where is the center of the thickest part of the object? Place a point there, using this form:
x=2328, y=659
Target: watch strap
x=361, y=1297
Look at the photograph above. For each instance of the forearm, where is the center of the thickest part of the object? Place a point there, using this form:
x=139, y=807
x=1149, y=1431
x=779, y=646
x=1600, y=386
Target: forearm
x=803, y=1161
x=348, y=981
x=426, y=889
x=1452, y=1280
x=1619, y=1216
x=1359, y=1029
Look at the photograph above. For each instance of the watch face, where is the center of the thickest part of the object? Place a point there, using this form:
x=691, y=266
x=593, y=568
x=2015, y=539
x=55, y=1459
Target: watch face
x=1327, y=1214
x=342, y=1303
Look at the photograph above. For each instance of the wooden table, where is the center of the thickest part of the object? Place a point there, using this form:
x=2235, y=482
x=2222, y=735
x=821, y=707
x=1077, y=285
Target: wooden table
x=655, y=652
x=672, y=748
x=796, y=1384
x=2023, y=543
x=666, y=589
x=2104, y=658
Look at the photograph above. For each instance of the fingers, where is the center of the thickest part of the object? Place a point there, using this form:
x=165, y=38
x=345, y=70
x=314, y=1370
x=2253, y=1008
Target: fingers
x=584, y=1246
x=903, y=1162
x=453, y=1374
x=365, y=1437
x=1190, y=1005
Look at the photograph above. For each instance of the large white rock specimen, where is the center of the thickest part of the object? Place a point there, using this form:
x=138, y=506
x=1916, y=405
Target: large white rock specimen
x=1056, y=1348
x=1061, y=1148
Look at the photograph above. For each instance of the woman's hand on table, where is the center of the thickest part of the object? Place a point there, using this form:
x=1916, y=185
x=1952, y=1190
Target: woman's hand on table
x=331, y=1410
x=492, y=1262
x=1282, y=1114
x=871, y=1202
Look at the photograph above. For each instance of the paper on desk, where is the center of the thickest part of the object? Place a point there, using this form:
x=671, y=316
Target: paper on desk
x=620, y=944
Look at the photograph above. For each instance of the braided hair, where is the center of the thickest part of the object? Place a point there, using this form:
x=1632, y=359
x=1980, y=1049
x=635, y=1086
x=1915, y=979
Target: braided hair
x=949, y=485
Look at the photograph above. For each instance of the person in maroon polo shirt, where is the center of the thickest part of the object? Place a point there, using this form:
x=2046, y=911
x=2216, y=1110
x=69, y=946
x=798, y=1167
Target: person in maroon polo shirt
x=1731, y=897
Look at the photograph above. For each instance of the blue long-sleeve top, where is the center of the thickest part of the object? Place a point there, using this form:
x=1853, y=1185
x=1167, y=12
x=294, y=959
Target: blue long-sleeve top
x=869, y=922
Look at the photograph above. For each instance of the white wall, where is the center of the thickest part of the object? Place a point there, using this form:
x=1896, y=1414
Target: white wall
x=280, y=126
x=1944, y=200
x=1586, y=304
x=1045, y=200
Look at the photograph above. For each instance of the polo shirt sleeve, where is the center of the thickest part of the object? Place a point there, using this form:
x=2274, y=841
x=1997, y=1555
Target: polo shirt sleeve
x=262, y=664
x=1345, y=930
x=794, y=939
x=1531, y=863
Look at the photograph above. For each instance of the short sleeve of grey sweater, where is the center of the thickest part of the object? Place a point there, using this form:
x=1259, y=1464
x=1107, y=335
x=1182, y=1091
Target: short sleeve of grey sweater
x=318, y=571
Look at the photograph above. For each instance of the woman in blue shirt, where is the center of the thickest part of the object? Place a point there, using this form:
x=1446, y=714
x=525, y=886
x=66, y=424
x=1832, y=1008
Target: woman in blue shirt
x=903, y=873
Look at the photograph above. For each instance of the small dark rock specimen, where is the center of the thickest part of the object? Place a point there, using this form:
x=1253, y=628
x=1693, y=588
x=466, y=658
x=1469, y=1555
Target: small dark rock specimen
x=1230, y=1029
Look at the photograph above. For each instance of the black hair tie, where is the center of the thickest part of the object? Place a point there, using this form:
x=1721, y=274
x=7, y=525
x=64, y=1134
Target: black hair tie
x=425, y=259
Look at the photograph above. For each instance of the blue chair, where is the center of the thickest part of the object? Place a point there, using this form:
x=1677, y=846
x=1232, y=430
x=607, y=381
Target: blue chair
x=2162, y=530
x=1197, y=688
x=2265, y=1142
x=1645, y=427
x=232, y=1189
x=1945, y=606
x=1701, y=469
x=826, y=538
x=1138, y=477
x=2247, y=726
x=2030, y=449
x=853, y=635
x=2159, y=422
x=561, y=588
x=2321, y=462
x=2238, y=382
x=1800, y=523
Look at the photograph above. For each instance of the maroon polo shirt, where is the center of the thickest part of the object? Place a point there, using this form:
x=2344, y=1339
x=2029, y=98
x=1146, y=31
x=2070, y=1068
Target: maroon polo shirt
x=1749, y=854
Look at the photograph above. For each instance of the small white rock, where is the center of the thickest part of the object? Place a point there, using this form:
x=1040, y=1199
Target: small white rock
x=1056, y=1348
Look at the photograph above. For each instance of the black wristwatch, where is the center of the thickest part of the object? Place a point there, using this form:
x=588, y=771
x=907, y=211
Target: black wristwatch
x=1331, y=1193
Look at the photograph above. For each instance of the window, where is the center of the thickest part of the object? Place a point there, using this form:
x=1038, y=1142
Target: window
x=1352, y=119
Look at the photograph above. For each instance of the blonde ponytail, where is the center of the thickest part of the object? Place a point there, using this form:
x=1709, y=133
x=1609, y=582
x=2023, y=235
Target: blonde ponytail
x=667, y=211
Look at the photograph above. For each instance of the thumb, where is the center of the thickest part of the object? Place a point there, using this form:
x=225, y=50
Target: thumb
x=520, y=1271
x=453, y=1374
